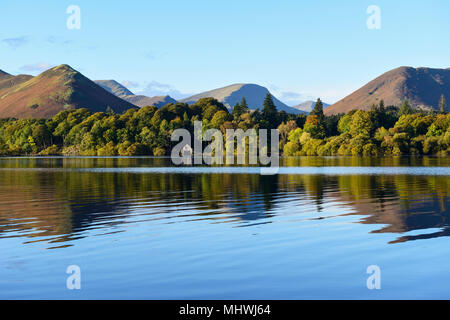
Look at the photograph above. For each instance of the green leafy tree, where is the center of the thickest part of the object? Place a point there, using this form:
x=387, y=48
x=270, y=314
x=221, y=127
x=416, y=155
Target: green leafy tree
x=345, y=123
x=284, y=129
x=42, y=136
x=210, y=112
x=219, y=119
x=361, y=124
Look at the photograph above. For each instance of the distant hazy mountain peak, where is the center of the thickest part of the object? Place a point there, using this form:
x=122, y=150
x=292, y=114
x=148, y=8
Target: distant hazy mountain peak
x=122, y=92
x=115, y=88
x=309, y=105
x=157, y=101
x=232, y=94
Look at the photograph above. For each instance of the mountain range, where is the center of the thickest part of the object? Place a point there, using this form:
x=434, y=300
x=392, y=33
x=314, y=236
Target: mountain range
x=122, y=92
x=62, y=87
x=422, y=87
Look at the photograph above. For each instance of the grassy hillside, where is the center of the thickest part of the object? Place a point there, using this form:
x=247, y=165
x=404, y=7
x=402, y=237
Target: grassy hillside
x=423, y=88
x=54, y=90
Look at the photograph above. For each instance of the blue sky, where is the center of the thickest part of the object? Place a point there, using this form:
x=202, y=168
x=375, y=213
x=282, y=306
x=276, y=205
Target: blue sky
x=298, y=49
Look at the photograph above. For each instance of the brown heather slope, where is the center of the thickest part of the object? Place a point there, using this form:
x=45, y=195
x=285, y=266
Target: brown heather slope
x=55, y=90
x=423, y=88
x=9, y=82
x=4, y=75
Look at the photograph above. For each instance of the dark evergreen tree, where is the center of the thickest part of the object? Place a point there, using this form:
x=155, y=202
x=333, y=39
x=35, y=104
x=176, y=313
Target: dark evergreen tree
x=240, y=109
x=237, y=111
x=283, y=116
x=318, y=110
x=378, y=114
x=331, y=125
x=300, y=120
x=381, y=107
x=244, y=106
x=269, y=113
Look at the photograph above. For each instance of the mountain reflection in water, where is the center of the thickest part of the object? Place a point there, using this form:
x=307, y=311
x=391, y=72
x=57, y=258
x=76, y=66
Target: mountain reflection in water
x=57, y=200
x=140, y=228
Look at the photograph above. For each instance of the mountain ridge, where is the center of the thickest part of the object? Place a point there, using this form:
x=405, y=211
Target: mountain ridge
x=422, y=87
x=4, y=75
x=157, y=101
x=114, y=87
x=124, y=93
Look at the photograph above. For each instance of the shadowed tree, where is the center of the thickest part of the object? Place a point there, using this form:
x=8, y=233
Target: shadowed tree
x=442, y=105
x=269, y=113
x=318, y=110
x=236, y=111
x=405, y=108
x=244, y=106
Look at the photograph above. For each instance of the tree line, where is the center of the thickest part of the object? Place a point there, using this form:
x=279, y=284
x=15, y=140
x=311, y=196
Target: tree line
x=147, y=131
x=379, y=131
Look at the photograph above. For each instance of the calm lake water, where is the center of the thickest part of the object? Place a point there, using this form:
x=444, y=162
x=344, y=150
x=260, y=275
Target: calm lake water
x=140, y=228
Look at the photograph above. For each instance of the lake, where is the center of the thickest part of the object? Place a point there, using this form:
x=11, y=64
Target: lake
x=140, y=228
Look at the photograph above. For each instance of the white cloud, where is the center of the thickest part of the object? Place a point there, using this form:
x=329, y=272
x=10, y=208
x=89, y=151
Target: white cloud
x=155, y=88
x=16, y=42
x=58, y=41
x=290, y=98
x=130, y=84
x=294, y=96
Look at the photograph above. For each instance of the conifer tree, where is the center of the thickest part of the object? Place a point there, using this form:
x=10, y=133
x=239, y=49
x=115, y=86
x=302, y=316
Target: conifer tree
x=405, y=108
x=237, y=111
x=269, y=112
x=244, y=106
x=381, y=107
x=442, y=105
x=318, y=110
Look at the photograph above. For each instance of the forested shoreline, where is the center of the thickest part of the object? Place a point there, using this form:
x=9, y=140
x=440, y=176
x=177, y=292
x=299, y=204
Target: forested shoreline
x=383, y=130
